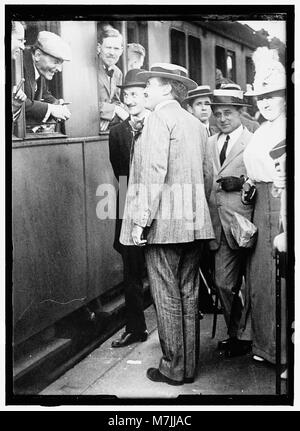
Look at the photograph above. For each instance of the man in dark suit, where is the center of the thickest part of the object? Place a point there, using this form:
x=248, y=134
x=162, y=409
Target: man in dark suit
x=166, y=203
x=41, y=62
x=227, y=149
x=17, y=45
x=121, y=145
x=110, y=49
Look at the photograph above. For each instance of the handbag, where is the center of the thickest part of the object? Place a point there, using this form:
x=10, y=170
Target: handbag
x=243, y=230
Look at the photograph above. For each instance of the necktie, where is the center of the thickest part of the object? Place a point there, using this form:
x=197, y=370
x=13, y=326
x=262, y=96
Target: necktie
x=223, y=151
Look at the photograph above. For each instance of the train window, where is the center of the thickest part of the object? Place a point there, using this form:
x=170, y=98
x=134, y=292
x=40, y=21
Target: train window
x=137, y=32
x=250, y=70
x=178, y=50
x=230, y=61
x=225, y=62
x=194, y=54
x=31, y=125
x=221, y=60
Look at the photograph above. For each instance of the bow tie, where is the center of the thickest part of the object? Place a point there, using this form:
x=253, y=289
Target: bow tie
x=109, y=72
x=136, y=126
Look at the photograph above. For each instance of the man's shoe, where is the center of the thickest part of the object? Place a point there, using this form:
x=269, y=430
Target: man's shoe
x=189, y=380
x=224, y=344
x=238, y=348
x=129, y=338
x=155, y=375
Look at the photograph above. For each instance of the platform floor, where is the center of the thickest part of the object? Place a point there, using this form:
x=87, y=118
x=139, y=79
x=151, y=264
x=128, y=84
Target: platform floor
x=122, y=372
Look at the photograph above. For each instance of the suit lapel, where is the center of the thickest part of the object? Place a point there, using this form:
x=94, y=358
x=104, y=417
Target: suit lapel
x=237, y=148
x=104, y=77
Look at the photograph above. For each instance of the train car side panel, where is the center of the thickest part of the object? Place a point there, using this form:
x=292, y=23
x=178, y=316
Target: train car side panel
x=49, y=241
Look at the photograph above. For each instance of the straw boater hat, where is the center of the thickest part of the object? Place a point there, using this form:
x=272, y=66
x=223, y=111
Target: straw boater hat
x=132, y=80
x=228, y=94
x=52, y=44
x=202, y=90
x=269, y=72
x=169, y=71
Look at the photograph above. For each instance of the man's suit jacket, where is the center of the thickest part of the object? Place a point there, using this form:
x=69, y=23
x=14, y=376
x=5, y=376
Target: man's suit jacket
x=109, y=93
x=120, y=142
x=36, y=104
x=223, y=204
x=172, y=152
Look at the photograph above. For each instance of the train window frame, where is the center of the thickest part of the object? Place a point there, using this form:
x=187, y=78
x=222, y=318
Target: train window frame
x=19, y=130
x=224, y=69
x=187, y=35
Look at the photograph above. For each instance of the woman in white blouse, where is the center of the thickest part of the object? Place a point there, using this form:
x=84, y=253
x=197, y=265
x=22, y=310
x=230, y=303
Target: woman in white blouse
x=269, y=87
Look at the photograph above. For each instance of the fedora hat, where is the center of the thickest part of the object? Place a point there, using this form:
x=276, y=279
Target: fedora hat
x=269, y=73
x=169, y=71
x=52, y=44
x=133, y=80
x=228, y=94
x=201, y=90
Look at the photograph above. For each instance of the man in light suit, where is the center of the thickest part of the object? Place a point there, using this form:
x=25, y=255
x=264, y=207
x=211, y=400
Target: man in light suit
x=166, y=210
x=227, y=149
x=110, y=49
x=41, y=62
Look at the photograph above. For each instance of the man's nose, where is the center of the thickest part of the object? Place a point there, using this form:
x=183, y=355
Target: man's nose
x=22, y=45
x=59, y=67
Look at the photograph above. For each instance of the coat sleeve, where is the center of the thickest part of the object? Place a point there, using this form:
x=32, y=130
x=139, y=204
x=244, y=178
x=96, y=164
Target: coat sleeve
x=207, y=165
x=154, y=165
x=114, y=152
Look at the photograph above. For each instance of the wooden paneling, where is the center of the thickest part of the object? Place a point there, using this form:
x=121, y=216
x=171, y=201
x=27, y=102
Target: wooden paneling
x=49, y=240
x=105, y=264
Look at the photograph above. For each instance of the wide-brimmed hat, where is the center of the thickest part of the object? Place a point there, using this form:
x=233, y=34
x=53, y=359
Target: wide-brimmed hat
x=133, y=80
x=228, y=94
x=169, y=71
x=200, y=91
x=269, y=73
x=52, y=44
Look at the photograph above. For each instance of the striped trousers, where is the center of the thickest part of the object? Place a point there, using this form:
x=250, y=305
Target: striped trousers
x=173, y=271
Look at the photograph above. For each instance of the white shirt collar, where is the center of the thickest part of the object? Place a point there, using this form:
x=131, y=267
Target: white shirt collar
x=234, y=136
x=36, y=73
x=166, y=102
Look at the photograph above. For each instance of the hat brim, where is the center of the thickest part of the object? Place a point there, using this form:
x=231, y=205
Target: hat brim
x=189, y=98
x=189, y=83
x=133, y=84
x=229, y=104
x=265, y=91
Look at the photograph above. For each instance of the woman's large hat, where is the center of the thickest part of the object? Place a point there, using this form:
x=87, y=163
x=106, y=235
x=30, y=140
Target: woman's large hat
x=200, y=91
x=269, y=72
x=228, y=94
x=133, y=80
x=169, y=71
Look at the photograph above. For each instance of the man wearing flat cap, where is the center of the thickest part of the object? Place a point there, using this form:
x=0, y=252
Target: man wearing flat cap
x=198, y=104
x=41, y=62
x=122, y=139
x=227, y=149
x=166, y=211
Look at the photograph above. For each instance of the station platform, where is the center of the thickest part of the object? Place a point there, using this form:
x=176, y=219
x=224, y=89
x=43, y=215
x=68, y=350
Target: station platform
x=122, y=372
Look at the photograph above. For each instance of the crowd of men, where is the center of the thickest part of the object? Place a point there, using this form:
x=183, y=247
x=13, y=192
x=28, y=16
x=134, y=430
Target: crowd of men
x=166, y=130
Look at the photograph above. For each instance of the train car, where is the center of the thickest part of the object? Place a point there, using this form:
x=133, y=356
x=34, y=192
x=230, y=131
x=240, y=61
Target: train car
x=63, y=257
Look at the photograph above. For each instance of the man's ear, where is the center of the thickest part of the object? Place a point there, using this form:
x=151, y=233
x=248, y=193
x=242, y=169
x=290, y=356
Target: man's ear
x=98, y=48
x=167, y=89
x=37, y=55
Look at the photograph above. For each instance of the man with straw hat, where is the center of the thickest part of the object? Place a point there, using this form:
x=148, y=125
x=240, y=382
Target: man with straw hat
x=166, y=211
x=227, y=149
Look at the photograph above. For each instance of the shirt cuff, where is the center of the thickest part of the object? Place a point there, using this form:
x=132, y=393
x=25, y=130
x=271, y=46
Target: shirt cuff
x=47, y=114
